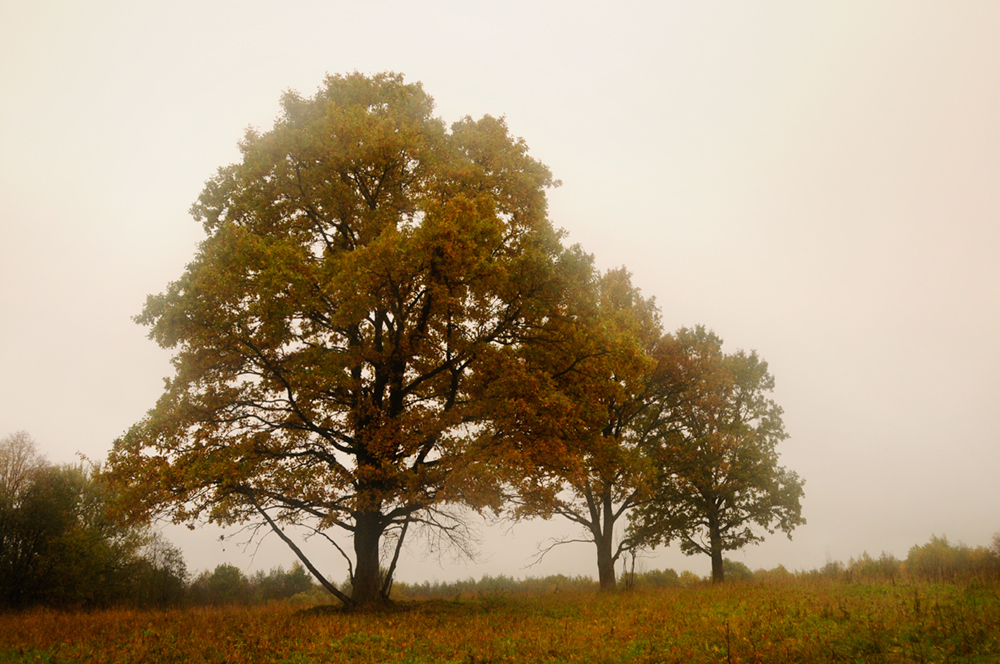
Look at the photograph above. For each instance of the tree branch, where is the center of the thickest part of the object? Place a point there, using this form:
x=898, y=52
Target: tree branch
x=298, y=552
x=542, y=551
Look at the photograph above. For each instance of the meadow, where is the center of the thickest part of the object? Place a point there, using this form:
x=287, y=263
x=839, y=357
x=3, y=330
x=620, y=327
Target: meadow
x=795, y=620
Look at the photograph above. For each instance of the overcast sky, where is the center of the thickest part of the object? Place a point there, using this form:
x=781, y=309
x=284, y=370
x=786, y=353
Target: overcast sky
x=816, y=181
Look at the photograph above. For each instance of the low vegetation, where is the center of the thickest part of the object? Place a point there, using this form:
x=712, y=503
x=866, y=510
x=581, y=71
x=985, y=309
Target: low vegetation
x=940, y=604
x=802, y=618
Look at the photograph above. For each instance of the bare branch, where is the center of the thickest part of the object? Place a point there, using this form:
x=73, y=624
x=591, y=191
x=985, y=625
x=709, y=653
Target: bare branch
x=301, y=556
x=553, y=543
x=387, y=586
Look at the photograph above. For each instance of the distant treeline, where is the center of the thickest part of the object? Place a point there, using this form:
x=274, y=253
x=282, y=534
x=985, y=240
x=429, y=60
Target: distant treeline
x=938, y=561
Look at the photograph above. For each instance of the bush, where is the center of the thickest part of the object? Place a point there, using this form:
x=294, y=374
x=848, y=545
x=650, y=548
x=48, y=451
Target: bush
x=865, y=568
x=940, y=561
x=315, y=596
x=689, y=579
x=279, y=584
x=659, y=579
x=833, y=570
x=776, y=575
x=734, y=570
x=228, y=585
x=490, y=586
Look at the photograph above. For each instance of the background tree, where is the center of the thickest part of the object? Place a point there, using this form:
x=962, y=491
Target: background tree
x=19, y=463
x=74, y=553
x=59, y=543
x=279, y=584
x=736, y=571
x=606, y=384
x=940, y=561
x=226, y=584
x=159, y=577
x=719, y=475
x=366, y=272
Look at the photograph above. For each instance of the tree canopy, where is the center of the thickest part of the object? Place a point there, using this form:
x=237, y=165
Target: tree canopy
x=606, y=364
x=719, y=483
x=366, y=273
x=382, y=323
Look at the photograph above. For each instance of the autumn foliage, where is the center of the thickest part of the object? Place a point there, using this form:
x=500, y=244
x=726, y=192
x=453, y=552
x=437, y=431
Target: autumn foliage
x=382, y=324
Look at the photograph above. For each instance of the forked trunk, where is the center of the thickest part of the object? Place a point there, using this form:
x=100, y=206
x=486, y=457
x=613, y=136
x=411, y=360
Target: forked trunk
x=366, y=586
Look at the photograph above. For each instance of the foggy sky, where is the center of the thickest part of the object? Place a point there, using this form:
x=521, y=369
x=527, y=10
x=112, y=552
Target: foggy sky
x=819, y=182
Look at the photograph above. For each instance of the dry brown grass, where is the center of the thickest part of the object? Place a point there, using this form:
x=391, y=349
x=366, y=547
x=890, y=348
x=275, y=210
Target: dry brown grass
x=795, y=622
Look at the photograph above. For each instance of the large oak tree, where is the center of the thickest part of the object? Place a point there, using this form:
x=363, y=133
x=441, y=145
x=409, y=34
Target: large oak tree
x=367, y=276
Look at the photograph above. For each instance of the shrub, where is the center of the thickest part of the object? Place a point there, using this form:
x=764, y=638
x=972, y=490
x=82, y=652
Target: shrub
x=832, y=570
x=666, y=578
x=688, y=579
x=776, y=575
x=734, y=570
x=865, y=568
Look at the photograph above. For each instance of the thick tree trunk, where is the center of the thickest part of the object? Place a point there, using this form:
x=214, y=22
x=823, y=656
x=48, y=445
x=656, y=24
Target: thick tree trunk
x=605, y=563
x=715, y=541
x=604, y=537
x=366, y=586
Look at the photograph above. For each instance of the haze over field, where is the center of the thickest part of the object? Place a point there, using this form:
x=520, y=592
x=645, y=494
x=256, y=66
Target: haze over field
x=818, y=183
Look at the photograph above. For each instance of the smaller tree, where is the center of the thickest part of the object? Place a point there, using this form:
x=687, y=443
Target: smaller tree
x=18, y=462
x=19, y=465
x=602, y=403
x=720, y=483
x=226, y=584
x=160, y=574
x=279, y=584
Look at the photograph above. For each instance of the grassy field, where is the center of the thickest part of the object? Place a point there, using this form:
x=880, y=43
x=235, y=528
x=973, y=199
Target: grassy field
x=798, y=621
